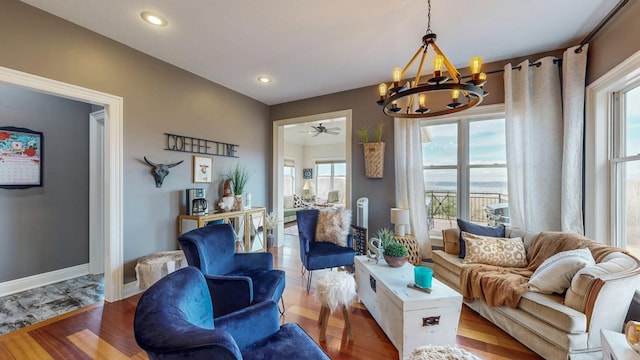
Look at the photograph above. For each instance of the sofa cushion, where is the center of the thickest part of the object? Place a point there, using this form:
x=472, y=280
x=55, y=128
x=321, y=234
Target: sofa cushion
x=334, y=226
x=297, y=201
x=466, y=226
x=549, y=308
x=288, y=201
x=451, y=241
x=555, y=273
x=508, y=252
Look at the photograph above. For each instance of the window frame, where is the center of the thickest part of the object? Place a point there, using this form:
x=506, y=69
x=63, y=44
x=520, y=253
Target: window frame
x=463, y=167
x=332, y=176
x=600, y=191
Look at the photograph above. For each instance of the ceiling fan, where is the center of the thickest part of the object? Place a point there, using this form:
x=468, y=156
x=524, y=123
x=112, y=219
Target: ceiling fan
x=317, y=130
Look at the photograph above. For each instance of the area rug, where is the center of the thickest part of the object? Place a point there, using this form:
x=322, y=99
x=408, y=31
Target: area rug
x=431, y=352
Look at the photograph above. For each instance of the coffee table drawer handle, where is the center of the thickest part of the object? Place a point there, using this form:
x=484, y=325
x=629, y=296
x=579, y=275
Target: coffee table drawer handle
x=431, y=321
x=372, y=283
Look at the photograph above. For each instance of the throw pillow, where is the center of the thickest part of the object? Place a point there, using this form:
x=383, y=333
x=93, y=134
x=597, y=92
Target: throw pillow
x=334, y=226
x=507, y=252
x=494, y=231
x=333, y=196
x=288, y=201
x=297, y=201
x=554, y=275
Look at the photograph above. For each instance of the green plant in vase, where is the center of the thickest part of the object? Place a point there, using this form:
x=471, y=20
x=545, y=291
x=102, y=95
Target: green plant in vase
x=239, y=176
x=385, y=235
x=396, y=249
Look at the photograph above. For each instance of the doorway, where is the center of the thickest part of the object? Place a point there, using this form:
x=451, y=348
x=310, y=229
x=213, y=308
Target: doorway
x=111, y=218
x=281, y=130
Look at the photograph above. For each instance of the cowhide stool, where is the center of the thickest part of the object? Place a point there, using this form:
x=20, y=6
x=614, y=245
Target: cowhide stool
x=335, y=289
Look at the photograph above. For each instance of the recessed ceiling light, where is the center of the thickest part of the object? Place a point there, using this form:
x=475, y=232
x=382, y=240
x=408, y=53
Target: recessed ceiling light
x=153, y=19
x=264, y=79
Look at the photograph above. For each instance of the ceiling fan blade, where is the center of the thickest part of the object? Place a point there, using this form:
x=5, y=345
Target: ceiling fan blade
x=333, y=129
x=333, y=133
x=316, y=134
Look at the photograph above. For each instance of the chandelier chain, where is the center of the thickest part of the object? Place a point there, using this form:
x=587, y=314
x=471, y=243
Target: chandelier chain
x=429, y=17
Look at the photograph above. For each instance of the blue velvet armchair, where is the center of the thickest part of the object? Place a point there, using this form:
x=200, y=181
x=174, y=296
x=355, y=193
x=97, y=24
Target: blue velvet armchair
x=174, y=320
x=317, y=255
x=236, y=280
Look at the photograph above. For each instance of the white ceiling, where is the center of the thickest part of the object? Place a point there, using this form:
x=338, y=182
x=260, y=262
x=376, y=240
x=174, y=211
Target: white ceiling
x=313, y=48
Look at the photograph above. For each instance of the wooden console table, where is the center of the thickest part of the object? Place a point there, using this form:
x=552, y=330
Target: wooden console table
x=247, y=224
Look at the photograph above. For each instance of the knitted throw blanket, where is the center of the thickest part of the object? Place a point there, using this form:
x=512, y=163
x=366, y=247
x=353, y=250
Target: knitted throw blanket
x=498, y=286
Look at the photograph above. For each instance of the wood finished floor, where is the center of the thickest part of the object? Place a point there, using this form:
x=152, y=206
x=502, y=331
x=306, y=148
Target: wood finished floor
x=105, y=330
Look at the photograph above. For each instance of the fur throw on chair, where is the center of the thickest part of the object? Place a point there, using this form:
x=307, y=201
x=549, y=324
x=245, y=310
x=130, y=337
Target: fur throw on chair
x=431, y=352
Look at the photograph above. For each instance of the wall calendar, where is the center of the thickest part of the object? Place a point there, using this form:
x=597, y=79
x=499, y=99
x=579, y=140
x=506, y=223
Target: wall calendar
x=20, y=158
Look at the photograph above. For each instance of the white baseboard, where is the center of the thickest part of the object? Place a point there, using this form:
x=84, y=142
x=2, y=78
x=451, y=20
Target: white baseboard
x=34, y=281
x=130, y=289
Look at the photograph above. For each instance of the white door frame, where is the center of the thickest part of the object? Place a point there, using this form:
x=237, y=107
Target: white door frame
x=96, y=192
x=112, y=170
x=278, y=160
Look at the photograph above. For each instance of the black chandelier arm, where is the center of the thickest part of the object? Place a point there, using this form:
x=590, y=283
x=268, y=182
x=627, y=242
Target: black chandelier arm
x=475, y=97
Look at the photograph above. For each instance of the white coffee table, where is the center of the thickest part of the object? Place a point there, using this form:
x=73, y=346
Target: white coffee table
x=409, y=317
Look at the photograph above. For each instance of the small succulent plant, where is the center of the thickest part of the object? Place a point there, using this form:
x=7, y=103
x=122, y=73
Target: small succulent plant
x=396, y=249
x=385, y=235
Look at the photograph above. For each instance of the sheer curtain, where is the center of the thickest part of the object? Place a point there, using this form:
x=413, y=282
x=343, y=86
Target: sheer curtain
x=533, y=110
x=410, y=179
x=545, y=130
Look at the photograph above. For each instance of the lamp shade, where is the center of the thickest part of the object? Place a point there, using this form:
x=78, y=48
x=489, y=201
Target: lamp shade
x=399, y=216
x=307, y=185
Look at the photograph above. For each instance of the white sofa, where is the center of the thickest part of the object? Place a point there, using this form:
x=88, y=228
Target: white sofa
x=556, y=326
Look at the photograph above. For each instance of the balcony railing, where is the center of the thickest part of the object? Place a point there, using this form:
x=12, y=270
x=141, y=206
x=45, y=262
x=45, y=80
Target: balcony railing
x=442, y=206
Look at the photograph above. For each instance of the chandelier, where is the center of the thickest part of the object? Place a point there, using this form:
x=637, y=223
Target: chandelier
x=411, y=99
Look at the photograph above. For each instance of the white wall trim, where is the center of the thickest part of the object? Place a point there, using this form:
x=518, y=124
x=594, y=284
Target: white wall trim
x=34, y=281
x=278, y=155
x=130, y=289
x=113, y=159
x=598, y=219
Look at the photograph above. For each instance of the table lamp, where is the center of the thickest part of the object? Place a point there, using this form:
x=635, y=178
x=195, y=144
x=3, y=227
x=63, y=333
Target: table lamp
x=308, y=185
x=399, y=217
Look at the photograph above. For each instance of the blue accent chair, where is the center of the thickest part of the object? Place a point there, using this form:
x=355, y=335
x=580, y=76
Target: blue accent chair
x=236, y=280
x=174, y=320
x=317, y=255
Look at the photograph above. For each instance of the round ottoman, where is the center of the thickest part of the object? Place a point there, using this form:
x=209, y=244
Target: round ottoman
x=152, y=268
x=335, y=289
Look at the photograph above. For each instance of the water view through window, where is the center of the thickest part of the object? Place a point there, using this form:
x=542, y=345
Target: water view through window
x=472, y=168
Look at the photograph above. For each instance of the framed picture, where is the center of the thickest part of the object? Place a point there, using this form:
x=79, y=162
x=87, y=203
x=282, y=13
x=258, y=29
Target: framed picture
x=21, y=153
x=202, y=169
x=307, y=173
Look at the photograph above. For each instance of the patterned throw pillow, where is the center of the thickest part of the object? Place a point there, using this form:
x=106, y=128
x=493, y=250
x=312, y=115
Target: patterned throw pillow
x=494, y=231
x=297, y=201
x=334, y=226
x=508, y=252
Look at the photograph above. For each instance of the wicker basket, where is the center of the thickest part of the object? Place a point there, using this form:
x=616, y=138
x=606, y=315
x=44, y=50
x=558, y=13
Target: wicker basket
x=410, y=242
x=374, y=159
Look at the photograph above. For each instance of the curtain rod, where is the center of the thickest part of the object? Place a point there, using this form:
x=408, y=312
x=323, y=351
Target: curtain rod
x=584, y=42
x=602, y=23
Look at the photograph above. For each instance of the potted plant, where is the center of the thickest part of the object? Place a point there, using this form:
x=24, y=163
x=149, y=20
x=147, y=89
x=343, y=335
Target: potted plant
x=373, y=152
x=239, y=176
x=395, y=254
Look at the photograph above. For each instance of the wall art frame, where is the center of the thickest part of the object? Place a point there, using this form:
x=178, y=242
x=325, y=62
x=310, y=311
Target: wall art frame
x=307, y=174
x=21, y=158
x=202, y=169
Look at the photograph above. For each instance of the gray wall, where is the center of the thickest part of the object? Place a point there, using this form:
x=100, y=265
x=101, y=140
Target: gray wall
x=47, y=228
x=158, y=98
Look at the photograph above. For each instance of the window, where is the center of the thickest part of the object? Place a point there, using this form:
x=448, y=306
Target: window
x=465, y=171
x=289, y=178
x=331, y=176
x=625, y=169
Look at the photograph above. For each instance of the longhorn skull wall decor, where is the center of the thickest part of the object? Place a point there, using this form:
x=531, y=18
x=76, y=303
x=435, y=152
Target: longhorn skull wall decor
x=159, y=171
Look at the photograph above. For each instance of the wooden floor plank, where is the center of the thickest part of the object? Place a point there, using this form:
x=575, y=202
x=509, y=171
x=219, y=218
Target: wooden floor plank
x=105, y=330
x=92, y=345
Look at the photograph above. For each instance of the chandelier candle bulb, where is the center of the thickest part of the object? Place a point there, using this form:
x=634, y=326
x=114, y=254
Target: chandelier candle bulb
x=395, y=74
x=475, y=64
x=437, y=65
